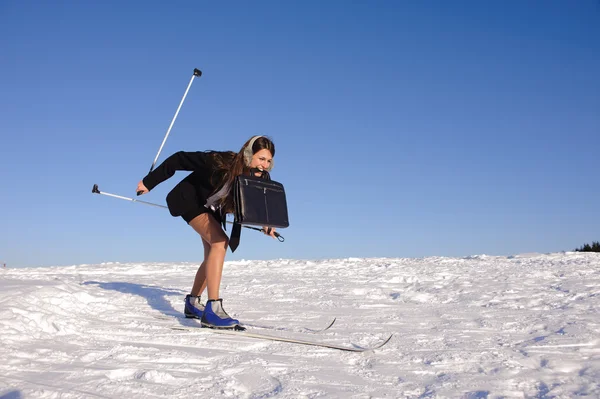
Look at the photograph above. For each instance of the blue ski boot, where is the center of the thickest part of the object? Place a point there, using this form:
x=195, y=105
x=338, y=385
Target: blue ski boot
x=194, y=309
x=215, y=316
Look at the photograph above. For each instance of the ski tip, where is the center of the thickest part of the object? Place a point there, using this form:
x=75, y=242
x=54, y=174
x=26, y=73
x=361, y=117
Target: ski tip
x=322, y=329
x=372, y=348
x=384, y=342
x=331, y=324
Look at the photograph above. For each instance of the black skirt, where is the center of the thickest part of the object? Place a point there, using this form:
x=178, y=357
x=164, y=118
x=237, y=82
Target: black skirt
x=190, y=215
x=187, y=201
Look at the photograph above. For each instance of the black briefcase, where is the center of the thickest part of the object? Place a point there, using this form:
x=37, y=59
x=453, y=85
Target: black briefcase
x=260, y=202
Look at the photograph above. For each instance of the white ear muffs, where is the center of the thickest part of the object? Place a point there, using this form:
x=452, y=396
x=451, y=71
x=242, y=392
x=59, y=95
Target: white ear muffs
x=248, y=154
x=248, y=151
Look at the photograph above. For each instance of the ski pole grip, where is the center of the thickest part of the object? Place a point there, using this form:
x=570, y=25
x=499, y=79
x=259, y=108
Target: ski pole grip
x=197, y=72
x=140, y=193
x=268, y=231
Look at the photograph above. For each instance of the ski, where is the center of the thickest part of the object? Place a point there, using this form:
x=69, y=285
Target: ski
x=262, y=326
x=346, y=348
x=304, y=329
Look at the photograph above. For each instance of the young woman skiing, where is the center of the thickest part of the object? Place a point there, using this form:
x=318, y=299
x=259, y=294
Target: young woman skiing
x=203, y=199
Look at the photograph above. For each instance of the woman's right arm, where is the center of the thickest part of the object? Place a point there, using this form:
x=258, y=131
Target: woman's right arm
x=179, y=161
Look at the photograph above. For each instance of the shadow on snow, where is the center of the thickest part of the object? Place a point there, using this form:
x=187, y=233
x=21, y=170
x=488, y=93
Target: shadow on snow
x=155, y=296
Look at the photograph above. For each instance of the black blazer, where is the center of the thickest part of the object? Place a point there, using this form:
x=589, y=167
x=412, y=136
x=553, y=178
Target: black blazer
x=193, y=191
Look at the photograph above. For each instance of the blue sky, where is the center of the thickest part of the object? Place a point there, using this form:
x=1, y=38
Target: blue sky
x=403, y=128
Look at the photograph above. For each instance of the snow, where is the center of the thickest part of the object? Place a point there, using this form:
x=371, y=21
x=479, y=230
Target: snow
x=525, y=326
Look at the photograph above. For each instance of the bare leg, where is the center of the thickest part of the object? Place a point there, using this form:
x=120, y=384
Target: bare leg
x=210, y=231
x=200, y=280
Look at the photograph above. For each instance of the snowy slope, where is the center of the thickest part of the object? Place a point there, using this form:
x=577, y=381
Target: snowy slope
x=479, y=327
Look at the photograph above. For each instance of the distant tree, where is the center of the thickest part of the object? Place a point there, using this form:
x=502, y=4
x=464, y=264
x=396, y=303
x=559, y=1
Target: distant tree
x=595, y=247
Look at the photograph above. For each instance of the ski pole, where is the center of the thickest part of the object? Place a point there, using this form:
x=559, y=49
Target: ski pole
x=197, y=73
x=95, y=190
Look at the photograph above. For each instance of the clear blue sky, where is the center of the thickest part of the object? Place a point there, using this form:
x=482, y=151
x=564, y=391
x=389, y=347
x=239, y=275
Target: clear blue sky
x=403, y=128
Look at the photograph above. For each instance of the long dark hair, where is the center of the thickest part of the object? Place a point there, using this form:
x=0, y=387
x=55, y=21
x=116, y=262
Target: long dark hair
x=229, y=165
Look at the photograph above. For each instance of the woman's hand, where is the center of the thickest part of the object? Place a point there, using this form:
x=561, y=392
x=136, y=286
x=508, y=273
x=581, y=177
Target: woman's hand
x=269, y=231
x=141, y=189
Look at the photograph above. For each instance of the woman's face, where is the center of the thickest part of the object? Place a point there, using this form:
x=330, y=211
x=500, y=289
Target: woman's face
x=261, y=160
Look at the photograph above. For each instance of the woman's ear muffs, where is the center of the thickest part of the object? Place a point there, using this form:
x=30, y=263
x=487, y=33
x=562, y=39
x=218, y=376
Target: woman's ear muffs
x=248, y=154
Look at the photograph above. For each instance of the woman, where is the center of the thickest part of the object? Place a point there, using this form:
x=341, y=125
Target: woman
x=203, y=199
